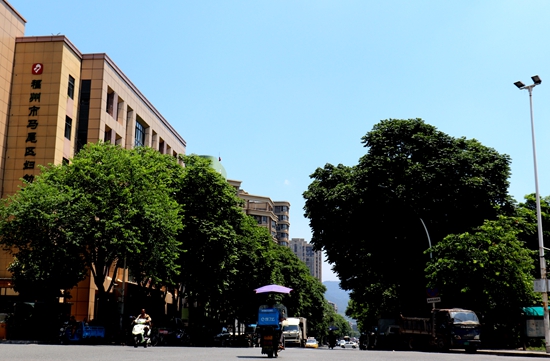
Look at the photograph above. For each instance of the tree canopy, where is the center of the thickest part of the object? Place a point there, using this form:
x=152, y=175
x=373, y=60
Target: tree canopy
x=226, y=255
x=369, y=217
x=108, y=204
x=488, y=270
x=179, y=229
x=222, y=247
x=46, y=260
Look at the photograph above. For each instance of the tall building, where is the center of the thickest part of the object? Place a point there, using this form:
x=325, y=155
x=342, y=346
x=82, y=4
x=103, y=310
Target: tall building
x=54, y=100
x=12, y=26
x=269, y=214
x=282, y=211
x=261, y=208
x=312, y=259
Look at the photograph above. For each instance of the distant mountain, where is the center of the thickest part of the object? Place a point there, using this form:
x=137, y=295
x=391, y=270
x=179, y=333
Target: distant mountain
x=337, y=295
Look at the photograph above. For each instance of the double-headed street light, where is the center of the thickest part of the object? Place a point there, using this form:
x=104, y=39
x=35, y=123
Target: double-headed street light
x=529, y=88
x=536, y=81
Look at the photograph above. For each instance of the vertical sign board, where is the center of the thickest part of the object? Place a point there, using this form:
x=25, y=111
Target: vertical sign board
x=534, y=327
x=32, y=123
x=540, y=285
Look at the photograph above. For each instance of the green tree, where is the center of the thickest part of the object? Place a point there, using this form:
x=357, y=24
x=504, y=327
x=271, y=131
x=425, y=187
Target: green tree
x=488, y=270
x=213, y=240
x=274, y=264
x=410, y=172
x=307, y=297
x=112, y=204
x=527, y=212
x=227, y=255
x=365, y=319
x=341, y=325
x=31, y=228
x=254, y=269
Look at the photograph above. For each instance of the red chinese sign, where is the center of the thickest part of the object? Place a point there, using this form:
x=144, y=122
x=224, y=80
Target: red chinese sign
x=37, y=68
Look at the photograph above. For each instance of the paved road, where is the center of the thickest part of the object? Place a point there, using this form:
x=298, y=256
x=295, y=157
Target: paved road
x=33, y=352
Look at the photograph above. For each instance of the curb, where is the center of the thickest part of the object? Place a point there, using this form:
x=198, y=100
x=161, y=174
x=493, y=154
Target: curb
x=517, y=353
x=22, y=342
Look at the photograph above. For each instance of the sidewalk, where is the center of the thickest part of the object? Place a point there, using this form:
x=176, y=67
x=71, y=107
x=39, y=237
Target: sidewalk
x=517, y=352
x=22, y=342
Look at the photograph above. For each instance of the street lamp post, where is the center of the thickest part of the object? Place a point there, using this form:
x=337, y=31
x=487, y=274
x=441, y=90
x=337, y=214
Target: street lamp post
x=416, y=213
x=427, y=235
x=421, y=221
x=529, y=88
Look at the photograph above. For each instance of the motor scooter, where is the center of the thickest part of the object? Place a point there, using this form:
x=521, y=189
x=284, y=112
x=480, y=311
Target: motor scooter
x=63, y=332
x=270, y=341
x=269, y=328
x=141, y=332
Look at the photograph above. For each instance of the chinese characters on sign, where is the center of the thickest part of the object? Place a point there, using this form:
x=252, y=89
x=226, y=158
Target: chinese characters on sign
x=32, y=124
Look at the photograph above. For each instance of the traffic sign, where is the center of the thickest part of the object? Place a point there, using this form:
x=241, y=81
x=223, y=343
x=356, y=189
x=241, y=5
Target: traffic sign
x=433, y=299
x=432, y=292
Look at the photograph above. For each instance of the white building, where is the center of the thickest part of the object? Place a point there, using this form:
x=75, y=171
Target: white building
x=311, y=258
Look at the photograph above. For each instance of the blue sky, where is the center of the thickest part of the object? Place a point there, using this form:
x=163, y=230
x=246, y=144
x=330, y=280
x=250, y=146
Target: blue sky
x=278, y=88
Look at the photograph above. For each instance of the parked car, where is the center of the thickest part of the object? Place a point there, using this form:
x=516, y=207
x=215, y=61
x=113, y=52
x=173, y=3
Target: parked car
x=223, y=339
x=312, y=343
x=173, y=333
x=348, y=344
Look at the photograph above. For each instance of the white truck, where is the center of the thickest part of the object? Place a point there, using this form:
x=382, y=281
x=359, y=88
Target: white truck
x=295, y=331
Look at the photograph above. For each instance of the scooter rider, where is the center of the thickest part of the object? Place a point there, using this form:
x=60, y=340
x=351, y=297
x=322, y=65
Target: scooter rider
x=144, y=316
x=147, y=321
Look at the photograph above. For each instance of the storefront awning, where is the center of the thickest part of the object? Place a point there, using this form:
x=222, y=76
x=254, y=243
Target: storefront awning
x=535, y=311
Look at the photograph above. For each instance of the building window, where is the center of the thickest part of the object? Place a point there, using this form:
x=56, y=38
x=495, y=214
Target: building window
x=68, y=127
x=110, y=101
x=70, y=90
x=83, y=114
x=65, y=161
x=108, y=136
x=140, y=135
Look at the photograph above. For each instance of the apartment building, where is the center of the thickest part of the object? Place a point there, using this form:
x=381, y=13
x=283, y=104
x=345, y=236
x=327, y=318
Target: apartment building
x=282, y=211
x=269, y=214
x=54, y=100
x=312, y=259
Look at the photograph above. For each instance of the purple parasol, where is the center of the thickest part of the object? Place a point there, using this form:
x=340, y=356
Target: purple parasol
x=273, y=288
